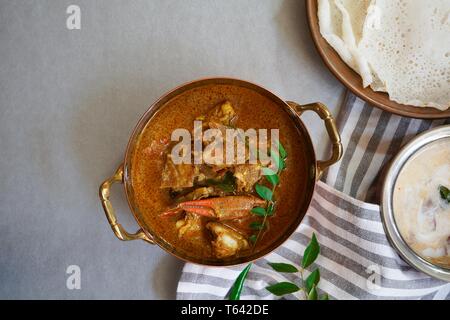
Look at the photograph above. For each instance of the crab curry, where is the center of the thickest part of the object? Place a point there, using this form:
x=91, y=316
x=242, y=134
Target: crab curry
x=214, y=212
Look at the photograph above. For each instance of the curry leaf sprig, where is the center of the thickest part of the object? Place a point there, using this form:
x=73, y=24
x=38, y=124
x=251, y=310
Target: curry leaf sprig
x=279, y=156
x=308, y=286
x=445, y=193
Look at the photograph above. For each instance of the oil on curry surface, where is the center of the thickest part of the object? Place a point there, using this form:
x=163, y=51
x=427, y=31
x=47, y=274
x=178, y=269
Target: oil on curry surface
x=188, y=206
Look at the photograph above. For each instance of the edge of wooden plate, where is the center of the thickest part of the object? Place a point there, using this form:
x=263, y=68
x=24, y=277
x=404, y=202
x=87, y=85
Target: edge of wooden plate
x=353, y=81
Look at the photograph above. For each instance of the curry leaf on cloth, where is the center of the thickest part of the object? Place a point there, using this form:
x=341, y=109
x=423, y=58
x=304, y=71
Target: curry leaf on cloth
x=310, y=283
x=236, y=290
x=312, y=280
x=312, y=295
x=282, y=288
x=283, y=267
x=311, y=252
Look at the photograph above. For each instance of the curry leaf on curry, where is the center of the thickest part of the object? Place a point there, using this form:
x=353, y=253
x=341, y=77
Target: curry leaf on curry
x=259, y=211
x=283, y=267
x=264, y=192
x=256, y=225
x=279, y=162
x=270, y=208
x=267, y=194
x=282, y=151
x=252, y=238
x=236, y=290
x=267, y=171
x=271, y=176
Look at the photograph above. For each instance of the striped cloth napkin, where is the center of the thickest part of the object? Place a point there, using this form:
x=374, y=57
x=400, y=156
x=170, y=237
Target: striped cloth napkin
x=356, y=259
x=371, y=138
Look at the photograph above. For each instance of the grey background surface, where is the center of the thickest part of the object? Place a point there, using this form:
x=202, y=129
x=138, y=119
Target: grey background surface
x=70, y=99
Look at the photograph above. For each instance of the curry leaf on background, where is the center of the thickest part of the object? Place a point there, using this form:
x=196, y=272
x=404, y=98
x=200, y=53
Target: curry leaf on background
x=264, y=192
x=312, y=295
x=283, y=267
x=311, y=252
x=312, y=280
x=236, y=290
x=282, y=288
x=445, y=193
x=259, y=211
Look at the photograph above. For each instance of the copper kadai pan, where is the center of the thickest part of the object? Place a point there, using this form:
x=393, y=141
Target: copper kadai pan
x=315, y=168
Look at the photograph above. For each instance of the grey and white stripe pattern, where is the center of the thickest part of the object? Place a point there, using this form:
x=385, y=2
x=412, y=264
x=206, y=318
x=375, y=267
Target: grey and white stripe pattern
x=355, y=253
x=371, y=138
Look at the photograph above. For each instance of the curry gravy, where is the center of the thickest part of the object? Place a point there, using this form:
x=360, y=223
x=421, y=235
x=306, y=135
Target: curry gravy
x=254, y=111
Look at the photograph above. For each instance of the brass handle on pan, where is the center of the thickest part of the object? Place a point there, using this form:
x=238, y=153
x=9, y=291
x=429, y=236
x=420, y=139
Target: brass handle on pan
x=330, y=125
x=119, y=231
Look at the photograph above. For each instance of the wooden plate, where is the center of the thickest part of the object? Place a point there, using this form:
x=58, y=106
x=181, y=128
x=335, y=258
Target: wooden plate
x=353, y=81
